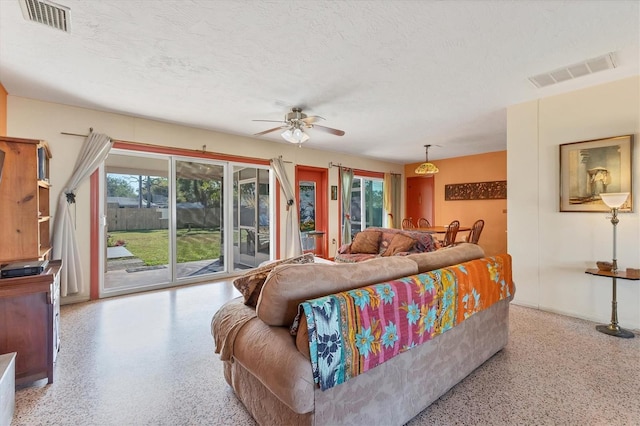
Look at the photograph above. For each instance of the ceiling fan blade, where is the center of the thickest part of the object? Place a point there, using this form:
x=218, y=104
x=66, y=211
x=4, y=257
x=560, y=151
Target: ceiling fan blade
x=270, y=121
x=312, y=119
x=270, y=130
x=329, y=130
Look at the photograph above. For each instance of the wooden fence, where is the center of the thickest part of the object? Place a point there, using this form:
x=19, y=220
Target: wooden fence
x=134, y=219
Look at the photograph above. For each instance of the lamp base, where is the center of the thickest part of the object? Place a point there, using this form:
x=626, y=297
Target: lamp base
x=613, y=330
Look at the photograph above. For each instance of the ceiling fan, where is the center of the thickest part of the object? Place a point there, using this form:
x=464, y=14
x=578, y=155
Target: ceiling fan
x=295, y=122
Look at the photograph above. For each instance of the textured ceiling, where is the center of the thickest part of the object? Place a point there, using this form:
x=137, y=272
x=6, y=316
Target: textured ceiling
x=394, y=75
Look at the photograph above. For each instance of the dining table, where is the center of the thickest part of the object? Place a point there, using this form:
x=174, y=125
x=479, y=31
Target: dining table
x=439, y=229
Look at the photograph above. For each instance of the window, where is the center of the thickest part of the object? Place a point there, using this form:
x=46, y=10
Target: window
x=367, y=203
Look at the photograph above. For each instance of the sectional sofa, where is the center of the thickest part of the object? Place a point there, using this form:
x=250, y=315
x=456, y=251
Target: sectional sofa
x=288, y=365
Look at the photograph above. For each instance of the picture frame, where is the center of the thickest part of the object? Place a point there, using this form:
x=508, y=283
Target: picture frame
x=334, y=192
x=588, y=168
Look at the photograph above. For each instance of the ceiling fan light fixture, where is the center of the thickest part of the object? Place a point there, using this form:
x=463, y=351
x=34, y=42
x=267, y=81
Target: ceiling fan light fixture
x=426, y=168
x=295, y=122
x=287, y=135
x=295, y=136
x=304, y=137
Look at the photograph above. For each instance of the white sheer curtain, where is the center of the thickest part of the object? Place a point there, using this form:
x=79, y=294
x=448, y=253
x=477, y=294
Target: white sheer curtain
x=293, y=239
x=392, y=198
x=346, y=181
x=65, y=247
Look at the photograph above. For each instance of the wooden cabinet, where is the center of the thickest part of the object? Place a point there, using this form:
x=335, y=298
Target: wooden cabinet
x=29, y=306
x=30, y=318
x=24, y=200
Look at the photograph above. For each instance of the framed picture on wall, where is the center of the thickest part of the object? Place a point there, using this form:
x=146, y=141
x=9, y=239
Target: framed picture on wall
x=590, y=168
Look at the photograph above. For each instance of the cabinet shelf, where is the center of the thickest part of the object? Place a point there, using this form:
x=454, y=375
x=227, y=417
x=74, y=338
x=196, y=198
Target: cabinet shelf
x=25, y=200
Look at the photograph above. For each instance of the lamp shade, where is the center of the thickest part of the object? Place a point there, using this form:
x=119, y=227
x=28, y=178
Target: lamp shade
x=614, y=199
x=295, y=136
x=426, y=168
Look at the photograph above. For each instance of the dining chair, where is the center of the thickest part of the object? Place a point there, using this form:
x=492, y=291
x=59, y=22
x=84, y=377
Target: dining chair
x=452, y=232
x=423, y=223
x=407, y=223
x=476, y=230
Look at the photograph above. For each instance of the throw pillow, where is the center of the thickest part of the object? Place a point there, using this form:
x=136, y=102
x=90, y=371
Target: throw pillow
x=250, y=284
x=366, y=242
x=399, y=244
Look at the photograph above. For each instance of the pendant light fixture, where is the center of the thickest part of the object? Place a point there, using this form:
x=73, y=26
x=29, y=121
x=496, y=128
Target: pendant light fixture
x=426, y=168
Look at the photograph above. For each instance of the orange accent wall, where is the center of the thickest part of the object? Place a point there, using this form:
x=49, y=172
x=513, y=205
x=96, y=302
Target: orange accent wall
x=472, y=168
x=3, y=111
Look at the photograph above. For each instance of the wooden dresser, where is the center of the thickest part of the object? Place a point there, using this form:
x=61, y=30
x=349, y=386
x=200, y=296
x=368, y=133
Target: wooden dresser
x=29, y=306
x=30, y=318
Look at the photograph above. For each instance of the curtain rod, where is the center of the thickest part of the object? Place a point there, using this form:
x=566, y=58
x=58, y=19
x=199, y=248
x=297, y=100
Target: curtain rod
x=77, y=134
x=204, y=147
x=284, y=161
x=332, y=164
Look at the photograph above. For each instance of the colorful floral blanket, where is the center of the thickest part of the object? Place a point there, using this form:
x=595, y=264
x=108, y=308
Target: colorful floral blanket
x=354, y=331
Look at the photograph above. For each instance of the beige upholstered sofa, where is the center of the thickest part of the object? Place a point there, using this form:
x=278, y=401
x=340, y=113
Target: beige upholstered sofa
x=384, y=242
x=274, y=378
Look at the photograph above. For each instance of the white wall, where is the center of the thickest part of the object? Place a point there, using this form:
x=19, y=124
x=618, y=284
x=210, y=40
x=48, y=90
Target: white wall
x=551, y=249
x=28, y=118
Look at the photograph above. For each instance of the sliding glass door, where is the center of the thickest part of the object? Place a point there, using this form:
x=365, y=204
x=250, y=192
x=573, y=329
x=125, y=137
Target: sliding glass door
x=251, y=218
x=366, y=203
x=199, y=213
x=166, y=220
x=136, y=218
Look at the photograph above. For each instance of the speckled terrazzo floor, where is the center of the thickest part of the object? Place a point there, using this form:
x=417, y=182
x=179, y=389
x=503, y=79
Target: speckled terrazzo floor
x=148, y=359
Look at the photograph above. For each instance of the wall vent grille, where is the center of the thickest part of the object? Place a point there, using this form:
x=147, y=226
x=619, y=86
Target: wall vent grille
x=48, y=13
x=601, y=63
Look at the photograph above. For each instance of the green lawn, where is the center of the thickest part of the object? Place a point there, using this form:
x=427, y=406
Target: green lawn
x=152, y=246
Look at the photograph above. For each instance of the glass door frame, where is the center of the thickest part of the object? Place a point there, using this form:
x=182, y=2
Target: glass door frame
x=174, y=224
x=98, y=214
x=229, y=198
x=102, y=234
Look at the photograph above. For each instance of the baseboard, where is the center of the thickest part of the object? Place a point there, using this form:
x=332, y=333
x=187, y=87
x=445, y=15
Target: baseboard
x=526, y=305
x=569, y=314
x=68, y=300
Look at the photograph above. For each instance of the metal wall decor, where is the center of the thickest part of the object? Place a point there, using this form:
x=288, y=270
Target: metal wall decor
x=496, y=190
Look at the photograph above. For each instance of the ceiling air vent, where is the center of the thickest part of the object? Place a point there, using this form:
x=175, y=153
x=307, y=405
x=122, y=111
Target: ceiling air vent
x=601, y=63
x=47, y=13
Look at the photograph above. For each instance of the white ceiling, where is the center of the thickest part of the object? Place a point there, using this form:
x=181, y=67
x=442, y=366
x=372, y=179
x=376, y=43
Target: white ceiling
x=394, y=75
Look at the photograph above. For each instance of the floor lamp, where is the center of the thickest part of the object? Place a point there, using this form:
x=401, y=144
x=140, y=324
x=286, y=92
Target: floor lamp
x=614, y=200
